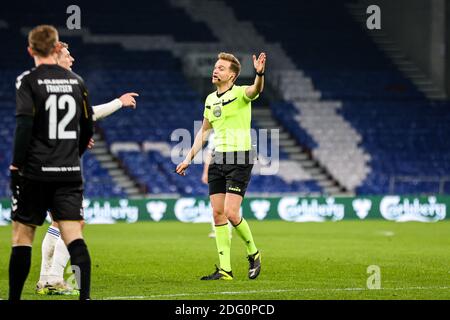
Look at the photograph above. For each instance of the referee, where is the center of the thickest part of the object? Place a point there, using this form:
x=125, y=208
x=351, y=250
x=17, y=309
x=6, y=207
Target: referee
x=228, y=112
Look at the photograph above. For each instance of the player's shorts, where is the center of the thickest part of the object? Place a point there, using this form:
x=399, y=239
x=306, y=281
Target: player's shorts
x=34, y=198
x=230, y=172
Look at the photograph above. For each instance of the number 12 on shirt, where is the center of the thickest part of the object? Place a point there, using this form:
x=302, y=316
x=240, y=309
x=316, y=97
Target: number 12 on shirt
x=58, y=130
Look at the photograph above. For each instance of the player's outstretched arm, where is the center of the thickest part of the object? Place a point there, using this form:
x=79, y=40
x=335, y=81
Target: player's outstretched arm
x=200, y=139
x=103, y=110
x=258, y=86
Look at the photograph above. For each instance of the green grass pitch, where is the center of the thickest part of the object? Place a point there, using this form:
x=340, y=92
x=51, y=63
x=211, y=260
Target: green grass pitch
x=165, y=260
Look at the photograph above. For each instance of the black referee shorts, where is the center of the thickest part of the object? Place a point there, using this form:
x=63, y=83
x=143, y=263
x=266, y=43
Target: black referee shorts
x=230, y=172
x=32, y=200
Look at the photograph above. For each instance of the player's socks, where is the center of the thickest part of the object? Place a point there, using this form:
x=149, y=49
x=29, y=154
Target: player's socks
x=19, y=267
x=60, y=259
x=243, y=230
x=223, y=242
x=212, y=234
x=81, y=261
x=48, y=249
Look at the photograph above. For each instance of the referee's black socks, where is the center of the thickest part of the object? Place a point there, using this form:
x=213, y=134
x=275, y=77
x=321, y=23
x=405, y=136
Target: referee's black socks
x=19, y=267
x=81, y=264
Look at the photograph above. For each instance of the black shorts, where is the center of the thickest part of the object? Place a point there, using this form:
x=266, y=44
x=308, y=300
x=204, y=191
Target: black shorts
x=63, y=199
x=229, y=178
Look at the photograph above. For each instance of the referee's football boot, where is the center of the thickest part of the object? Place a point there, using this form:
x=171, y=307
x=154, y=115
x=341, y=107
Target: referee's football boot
x=219, y=274
x=254, y=267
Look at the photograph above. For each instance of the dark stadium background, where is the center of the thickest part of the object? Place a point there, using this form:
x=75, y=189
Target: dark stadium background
x=364, y=143
x=363, y=114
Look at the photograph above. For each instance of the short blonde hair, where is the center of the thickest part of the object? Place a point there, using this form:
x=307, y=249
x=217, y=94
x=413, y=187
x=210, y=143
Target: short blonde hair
x=235, y=64
x=43, y=39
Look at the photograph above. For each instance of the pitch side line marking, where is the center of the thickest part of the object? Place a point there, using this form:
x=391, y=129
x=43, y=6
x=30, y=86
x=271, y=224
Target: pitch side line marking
x=271, y=291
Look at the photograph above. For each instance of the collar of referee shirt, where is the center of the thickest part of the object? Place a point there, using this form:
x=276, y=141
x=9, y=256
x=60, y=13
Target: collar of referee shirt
x=221, y=94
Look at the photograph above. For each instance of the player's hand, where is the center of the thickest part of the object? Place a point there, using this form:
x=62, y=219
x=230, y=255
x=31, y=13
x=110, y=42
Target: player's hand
x=181, y=168
x=260, y=63
x=128, y=100
x=205, y=178
x=91, y=143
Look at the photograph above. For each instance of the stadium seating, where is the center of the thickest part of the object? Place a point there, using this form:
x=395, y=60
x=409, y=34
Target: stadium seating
x=398, y=133
x=110, y=17
x=368, y=124
x=166, y=102
x=7, y=124
x=405, y=139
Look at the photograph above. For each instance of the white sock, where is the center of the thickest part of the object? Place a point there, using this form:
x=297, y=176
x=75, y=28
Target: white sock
x=213, y=225
x=60, y=259
x=48, y=250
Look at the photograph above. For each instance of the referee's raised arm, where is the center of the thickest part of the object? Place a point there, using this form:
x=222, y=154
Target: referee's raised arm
x=258, y=86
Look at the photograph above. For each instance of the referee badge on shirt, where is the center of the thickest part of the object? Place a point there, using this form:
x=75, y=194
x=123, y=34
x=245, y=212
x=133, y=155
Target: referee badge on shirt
x=217, y=112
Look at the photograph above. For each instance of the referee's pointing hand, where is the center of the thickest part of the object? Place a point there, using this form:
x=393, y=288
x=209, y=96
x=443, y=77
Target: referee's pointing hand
x=181, y=168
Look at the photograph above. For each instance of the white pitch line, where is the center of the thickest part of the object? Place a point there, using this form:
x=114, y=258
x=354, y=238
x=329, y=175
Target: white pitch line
x=270, y=291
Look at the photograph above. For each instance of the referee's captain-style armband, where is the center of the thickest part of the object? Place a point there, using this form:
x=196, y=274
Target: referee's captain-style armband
x=260, y=74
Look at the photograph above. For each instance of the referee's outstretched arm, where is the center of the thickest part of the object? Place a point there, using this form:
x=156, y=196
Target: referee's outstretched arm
x=200, y=139
x=258, y=86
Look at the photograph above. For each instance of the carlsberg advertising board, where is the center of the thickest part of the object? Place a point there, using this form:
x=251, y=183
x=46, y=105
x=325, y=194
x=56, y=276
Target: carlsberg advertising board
x=294, y=209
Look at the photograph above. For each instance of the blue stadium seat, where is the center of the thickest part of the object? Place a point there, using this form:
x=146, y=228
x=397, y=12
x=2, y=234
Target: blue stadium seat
x=405, y=134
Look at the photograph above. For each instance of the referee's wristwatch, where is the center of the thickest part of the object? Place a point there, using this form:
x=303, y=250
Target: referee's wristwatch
x=260, y=74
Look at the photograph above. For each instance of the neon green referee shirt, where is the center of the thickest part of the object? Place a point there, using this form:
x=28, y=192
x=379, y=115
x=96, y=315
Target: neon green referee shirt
x=230, y=114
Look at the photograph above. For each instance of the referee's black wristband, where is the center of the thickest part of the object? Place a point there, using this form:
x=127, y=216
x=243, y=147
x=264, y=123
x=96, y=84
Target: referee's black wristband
x=260, y=74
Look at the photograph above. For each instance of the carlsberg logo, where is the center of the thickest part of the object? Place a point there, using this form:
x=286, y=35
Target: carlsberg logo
x=194, y=210
x=391, y=208
x=98, y=213
x=290, y=209
x=189, y=210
